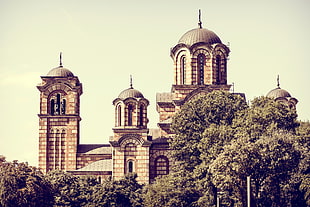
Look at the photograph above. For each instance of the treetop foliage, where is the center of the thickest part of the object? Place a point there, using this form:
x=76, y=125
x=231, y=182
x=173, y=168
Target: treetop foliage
x=219, y=142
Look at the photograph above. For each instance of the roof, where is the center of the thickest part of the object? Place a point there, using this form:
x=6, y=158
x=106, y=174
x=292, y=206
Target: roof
x=199, y=35
x=100, y=165
x=164, y=97
x=95, y=149
x=278, y=93
x=130, y=93
x=60, y=72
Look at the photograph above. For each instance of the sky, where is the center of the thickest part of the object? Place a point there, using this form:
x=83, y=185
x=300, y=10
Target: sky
x=104, y=42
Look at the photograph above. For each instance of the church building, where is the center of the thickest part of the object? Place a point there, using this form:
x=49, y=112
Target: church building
x=200, y=66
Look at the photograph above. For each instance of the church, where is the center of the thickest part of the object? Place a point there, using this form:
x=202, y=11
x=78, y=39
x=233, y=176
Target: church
x=200, y=66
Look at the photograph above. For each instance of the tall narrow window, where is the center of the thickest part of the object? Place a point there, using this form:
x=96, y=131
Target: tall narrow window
x=183, y=70
x=218, y=70
x=161, y=166
x=200, y=68
x=57, y=108
x=57, y=105
x=52, y=107
x=130, y=166
x=63, y=106
x=141, y=119
x=130, y=114
x=119, y=115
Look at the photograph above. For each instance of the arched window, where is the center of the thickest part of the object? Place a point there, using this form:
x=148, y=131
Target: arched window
x=183, y=70
x=63, y=107
x=161, y=166
x=119, y=115
x=130, y=114
x=200, y=69
x=52, y=107
x=218, y=69
x=141, y=115
x=57, y=105
x=130, y=166
x=130, y=155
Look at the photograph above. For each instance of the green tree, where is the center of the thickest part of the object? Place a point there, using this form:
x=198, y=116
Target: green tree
x=23, y=185
x=264, y=116
x=271, y=161
x=195, y=117
x=70, y=190
x=174, y=190
x=126, y=192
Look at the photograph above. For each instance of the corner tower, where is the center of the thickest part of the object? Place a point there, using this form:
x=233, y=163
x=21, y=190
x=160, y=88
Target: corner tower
x=59, y=119
x=131, y=147
x=200, y=66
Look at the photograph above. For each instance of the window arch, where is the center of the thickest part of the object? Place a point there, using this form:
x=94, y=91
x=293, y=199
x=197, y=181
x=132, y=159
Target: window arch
x=130, y=111
x=218, y=69
x=130, y=155
x=200, y=68
x=141, y=115
x=119, y=115
x=57, y=104
x=183, y=69
x=161, y=166
x=130, y=166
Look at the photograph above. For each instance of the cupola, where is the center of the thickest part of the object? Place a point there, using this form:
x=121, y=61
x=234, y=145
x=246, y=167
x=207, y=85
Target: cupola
x=281, y=95
x=200, y=58
x=131, y=109
x=60, y=71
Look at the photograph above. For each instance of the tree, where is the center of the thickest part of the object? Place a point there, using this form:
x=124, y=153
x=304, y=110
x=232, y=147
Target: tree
x=189, y=124
x=264, y=116
x=23, y=185
x=174, y=190
x=126, y=192
x=70, y=190
x=216, y=125
x=271, y=161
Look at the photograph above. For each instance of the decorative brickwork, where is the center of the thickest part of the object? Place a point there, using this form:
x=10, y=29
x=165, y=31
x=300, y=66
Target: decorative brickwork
x=59, y=122
x=200, y=66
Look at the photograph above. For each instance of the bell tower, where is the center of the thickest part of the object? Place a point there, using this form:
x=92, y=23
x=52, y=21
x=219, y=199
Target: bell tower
x=130, y=143
x=59, y=119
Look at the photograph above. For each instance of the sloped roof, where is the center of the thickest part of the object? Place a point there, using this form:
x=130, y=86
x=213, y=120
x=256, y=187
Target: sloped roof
x=95, y=149
x=100, y=165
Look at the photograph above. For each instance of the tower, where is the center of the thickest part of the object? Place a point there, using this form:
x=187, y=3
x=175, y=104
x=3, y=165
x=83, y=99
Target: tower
x=59, y=119
x=283, y=96
x=200, y=66
x=130, y=144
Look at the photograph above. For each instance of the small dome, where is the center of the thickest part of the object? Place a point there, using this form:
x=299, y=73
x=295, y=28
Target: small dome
x=199, y=35
x=130, y=93
x=60, y=72
x=278, y=93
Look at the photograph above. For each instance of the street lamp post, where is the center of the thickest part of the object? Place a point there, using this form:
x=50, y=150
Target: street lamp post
x=249, y=190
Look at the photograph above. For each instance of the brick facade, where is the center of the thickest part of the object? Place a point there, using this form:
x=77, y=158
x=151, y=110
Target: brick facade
x=200, y=66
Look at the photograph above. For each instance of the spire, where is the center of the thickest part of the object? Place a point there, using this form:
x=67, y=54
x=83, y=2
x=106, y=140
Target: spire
x=60, y=59
x=278, y=81
x=199, y=18
x=131, y=81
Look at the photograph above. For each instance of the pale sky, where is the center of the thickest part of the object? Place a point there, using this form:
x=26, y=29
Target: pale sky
x=104, y=42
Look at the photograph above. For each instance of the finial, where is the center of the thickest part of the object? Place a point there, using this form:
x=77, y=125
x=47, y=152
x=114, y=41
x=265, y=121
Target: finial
x=278, y=80
x=60, y=59
x=199, y=17
x=131, y=81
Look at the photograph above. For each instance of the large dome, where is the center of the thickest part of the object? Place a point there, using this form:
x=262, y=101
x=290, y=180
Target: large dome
x=278, y=93
x=130, y=93
x=60, y=72
x=199, y=35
